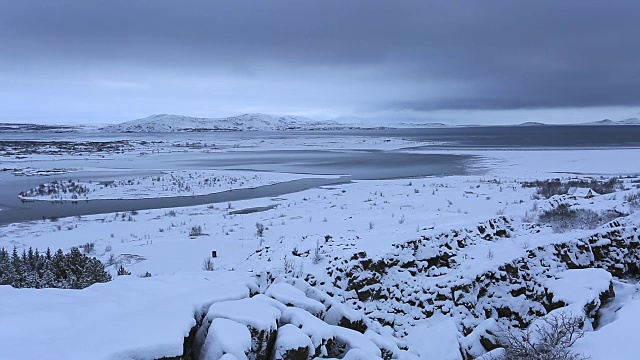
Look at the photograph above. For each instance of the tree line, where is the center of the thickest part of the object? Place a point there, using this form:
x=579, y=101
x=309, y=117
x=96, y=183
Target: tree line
x=32, y=269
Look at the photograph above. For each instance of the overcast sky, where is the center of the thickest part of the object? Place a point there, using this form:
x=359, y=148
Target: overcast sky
x=455, y=61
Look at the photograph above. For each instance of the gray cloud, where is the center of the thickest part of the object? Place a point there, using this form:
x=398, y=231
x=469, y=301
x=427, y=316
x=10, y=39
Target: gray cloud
x=324, y=57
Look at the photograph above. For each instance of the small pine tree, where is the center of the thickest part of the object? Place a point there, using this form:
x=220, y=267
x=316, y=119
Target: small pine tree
x=123, y=271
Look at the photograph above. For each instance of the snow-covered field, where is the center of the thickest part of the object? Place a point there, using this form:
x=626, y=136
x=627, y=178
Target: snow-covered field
x=425, y=263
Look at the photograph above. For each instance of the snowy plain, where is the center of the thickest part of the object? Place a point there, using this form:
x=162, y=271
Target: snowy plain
x=306, y=235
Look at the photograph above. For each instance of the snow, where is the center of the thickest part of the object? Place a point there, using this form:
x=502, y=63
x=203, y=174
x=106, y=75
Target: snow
x=616, y=340
x=360, y=354
x=579, y=285
x=128, y=318
x=318, y=330
x=254, y=313
x=338, y=311
x=442, y=340
x=356, y=340
x=289, y=295
x=226, y=337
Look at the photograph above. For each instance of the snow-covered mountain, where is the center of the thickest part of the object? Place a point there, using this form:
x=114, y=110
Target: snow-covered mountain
x=245, y=122
x=629, y=121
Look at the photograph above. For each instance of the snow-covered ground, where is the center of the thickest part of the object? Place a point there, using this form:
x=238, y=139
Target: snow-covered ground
x=315, y=235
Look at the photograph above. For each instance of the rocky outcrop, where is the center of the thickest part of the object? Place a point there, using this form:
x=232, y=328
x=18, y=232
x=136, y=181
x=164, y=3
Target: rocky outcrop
x=286, y=324
x=433, y=275
x=298, y=320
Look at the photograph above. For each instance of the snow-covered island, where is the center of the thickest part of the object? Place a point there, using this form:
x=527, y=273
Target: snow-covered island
x=170, y=184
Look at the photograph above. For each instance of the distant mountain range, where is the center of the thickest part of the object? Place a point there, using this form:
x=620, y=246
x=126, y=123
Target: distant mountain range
x=246, y=122
x=163, y=123
x=23, y=127
x=605, y=122
x=629, y=121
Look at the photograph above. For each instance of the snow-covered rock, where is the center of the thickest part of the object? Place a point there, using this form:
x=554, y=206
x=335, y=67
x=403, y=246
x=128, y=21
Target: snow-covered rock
x=583, y=287
x=320, y=333
x=292, y=344
x=291, y=296
x=226, y=337
x=258, y=316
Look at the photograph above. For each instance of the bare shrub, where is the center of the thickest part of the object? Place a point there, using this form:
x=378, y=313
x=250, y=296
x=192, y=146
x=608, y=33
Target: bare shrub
x=259, y=229
x=88, y=248
x=318, y=254
x=289, y=265
x=111, y=260
x=550, y=340
x=207, y=264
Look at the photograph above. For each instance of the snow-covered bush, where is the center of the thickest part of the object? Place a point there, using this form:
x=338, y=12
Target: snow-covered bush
x=633, y=200
x=196, y=230
x=563, y=218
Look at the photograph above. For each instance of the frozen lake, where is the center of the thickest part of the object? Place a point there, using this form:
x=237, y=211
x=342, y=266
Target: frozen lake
x=353, y=164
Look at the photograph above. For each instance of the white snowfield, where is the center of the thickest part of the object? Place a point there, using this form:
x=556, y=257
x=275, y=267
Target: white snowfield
x=326, y=235
x=128, y=318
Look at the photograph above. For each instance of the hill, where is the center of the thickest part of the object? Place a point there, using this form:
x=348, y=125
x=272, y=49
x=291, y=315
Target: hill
x=245, y=122
x=629, y=121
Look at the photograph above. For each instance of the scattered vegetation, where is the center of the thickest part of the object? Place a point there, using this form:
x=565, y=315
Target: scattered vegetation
x=551, y=187
x=57, y=188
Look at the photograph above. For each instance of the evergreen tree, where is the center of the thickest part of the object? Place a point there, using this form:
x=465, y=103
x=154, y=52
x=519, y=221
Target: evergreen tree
x=18, y=268
x=7, y=272
x=31, y=269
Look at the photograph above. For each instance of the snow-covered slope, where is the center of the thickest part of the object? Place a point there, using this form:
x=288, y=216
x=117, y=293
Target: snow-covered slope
x=246, y=122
